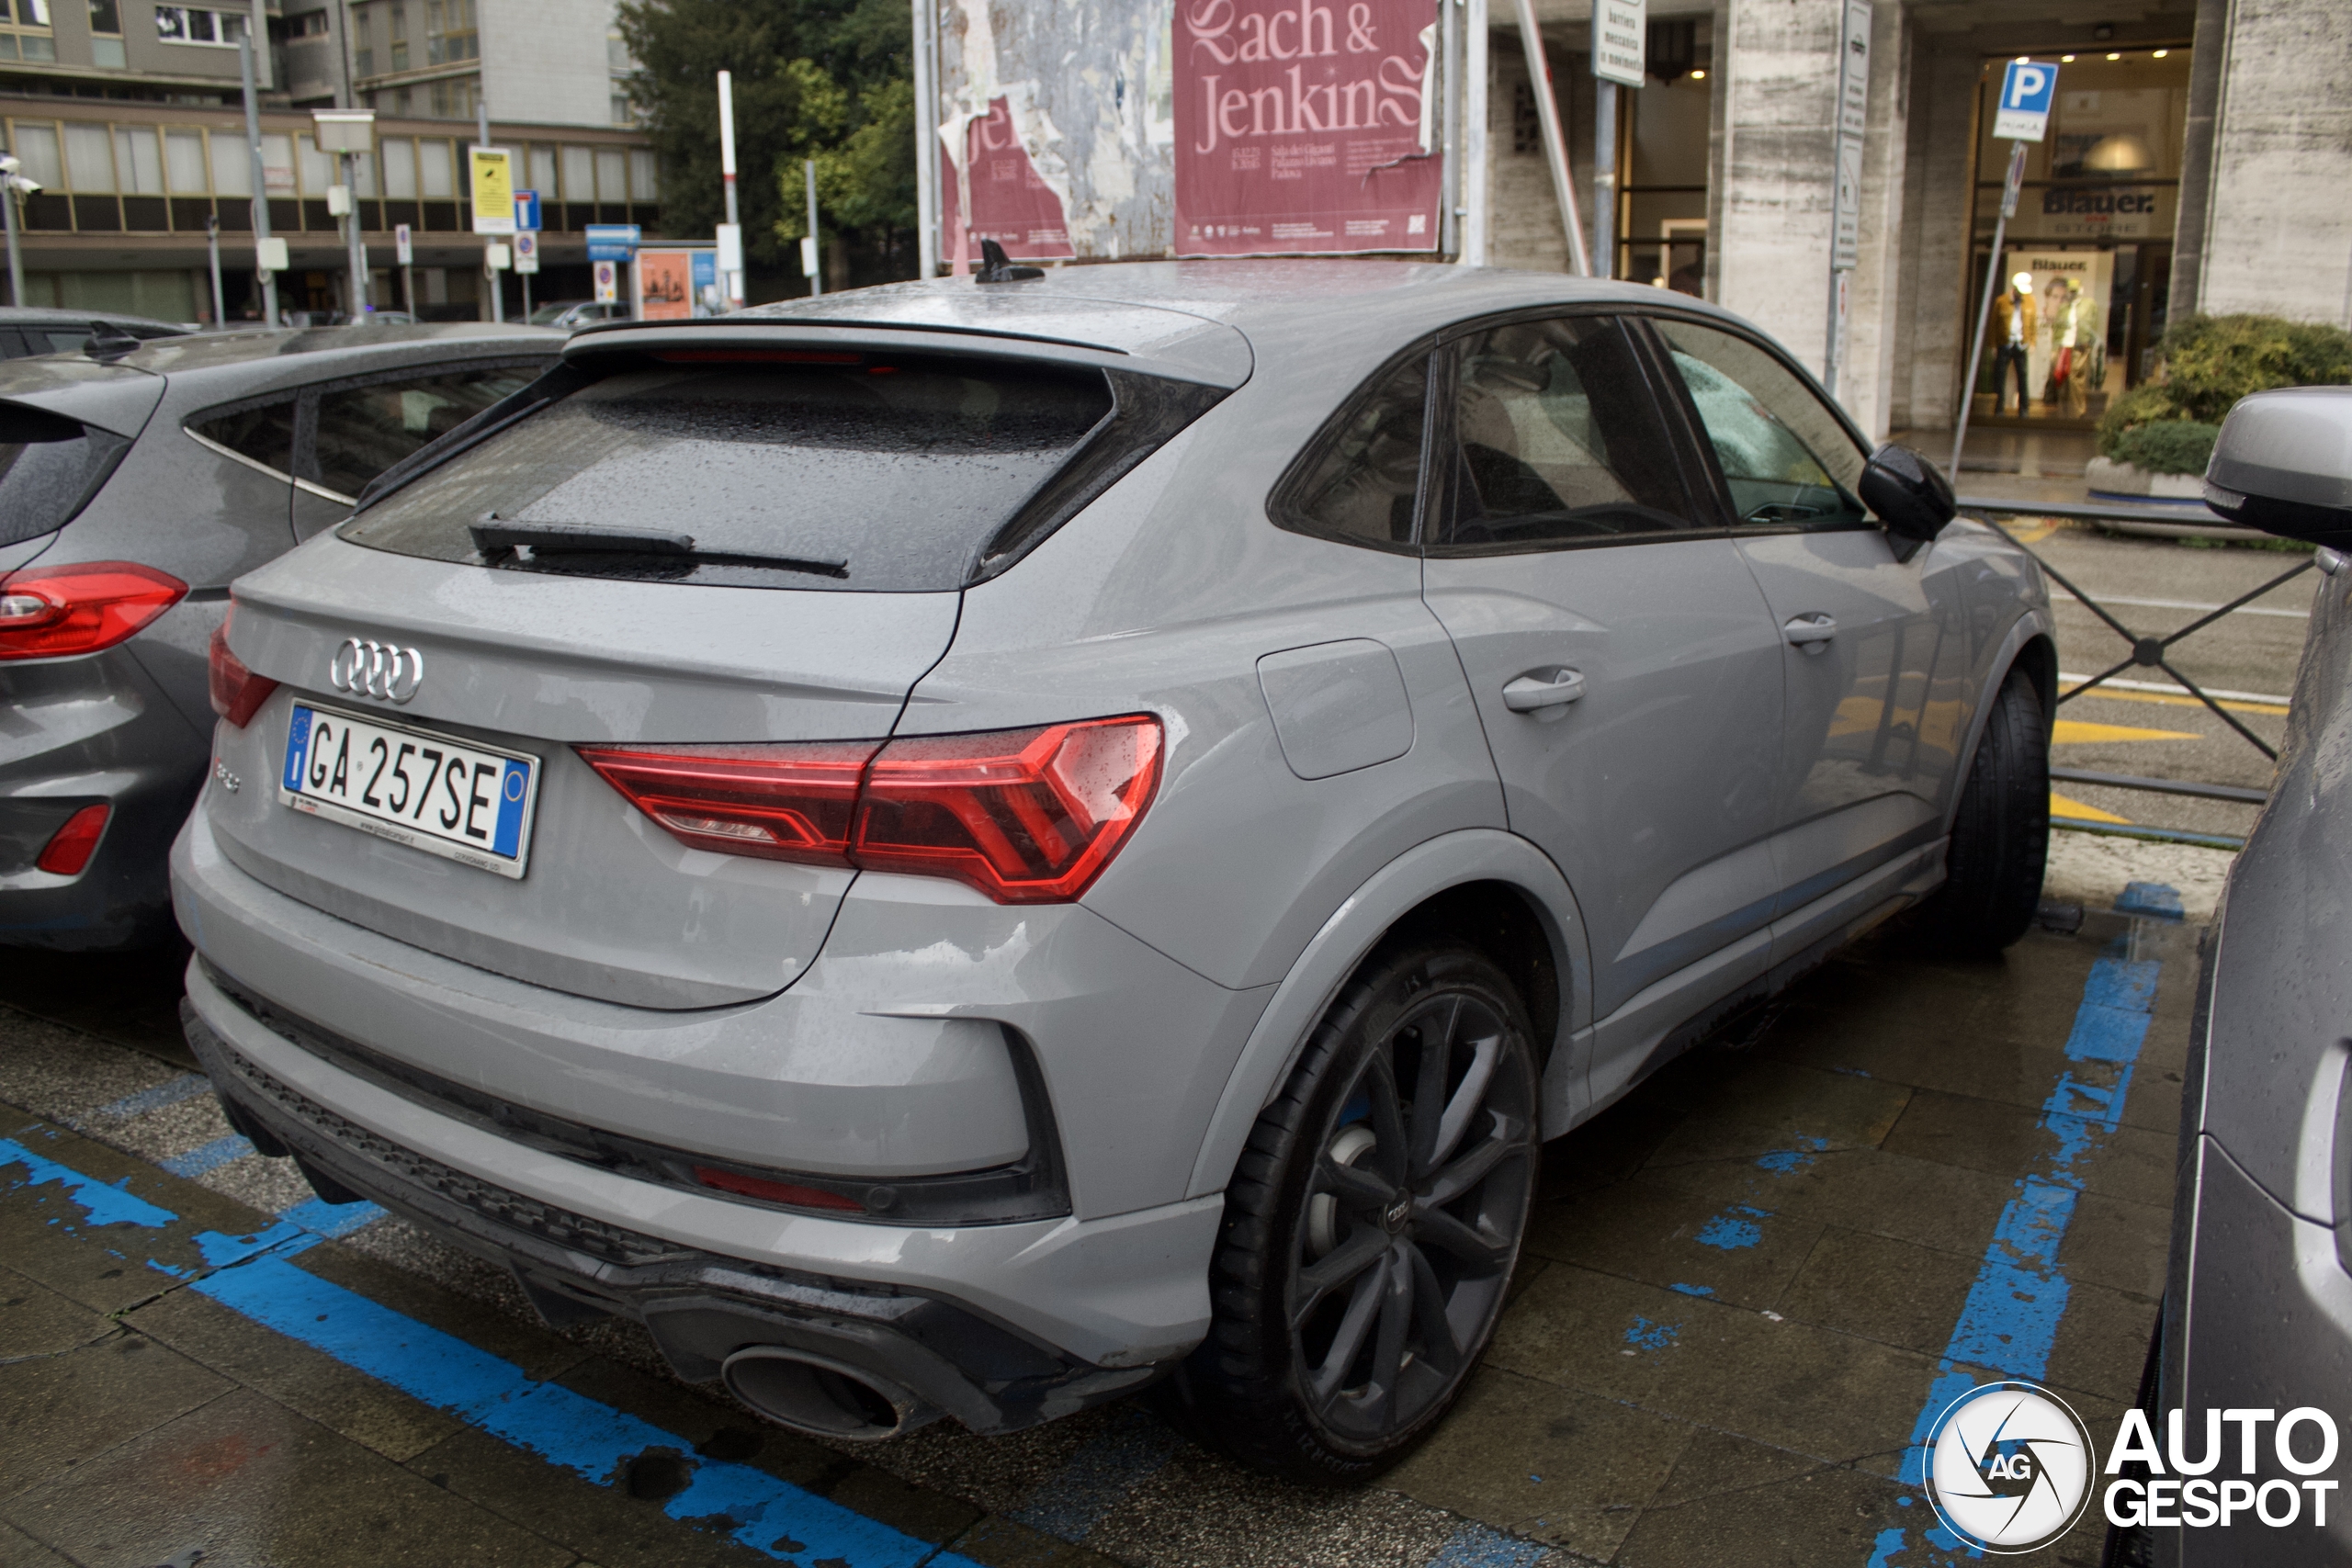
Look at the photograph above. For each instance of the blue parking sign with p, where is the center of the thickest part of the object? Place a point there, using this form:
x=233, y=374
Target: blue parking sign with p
x=2028, y=88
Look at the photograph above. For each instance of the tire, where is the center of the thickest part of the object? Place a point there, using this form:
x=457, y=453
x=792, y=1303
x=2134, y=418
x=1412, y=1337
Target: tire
x=2000, y=839
x=1351, y=1221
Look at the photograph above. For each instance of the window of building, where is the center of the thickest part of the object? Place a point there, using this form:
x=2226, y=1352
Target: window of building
x=398, y=24
x=643, y=175
x=612, y=173
x=184, y=163
x=453, y=99
x=24, y=30
x=449, y=33
x=138, y=160
x=191, y=24
x=105, y=35
x=622, y=114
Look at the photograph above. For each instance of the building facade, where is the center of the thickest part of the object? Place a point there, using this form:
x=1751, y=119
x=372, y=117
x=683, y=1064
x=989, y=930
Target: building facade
x=2198, y=156
x=128, y=115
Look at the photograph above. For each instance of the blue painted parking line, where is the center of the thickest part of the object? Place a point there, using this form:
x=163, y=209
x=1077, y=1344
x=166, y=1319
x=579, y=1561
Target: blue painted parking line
x=1477, y=1546
x=2010, y=1321
x=186, y=1085
x=255, y=1277
x=322, y=1218
x=210, y=1156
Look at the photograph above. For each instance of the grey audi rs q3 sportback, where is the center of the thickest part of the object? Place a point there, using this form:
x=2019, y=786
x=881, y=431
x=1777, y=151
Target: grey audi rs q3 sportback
x=964, y=847
x=135, y=483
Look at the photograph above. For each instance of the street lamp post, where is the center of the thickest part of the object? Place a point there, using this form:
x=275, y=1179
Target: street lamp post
x=11, y=184
x=350, y=133
x=262, y=247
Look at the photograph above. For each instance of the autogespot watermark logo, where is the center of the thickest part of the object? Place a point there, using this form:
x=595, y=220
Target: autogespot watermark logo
x=2010, y=1468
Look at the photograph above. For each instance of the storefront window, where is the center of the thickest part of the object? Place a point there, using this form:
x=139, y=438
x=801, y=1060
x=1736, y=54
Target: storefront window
x=2082, y=270
x=1662, y=212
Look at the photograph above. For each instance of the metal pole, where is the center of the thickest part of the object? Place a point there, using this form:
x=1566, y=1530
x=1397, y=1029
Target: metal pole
x=497, y=284
x=212, y=245
x=1984, y=311
x=1449, y=222
x=731, y=284
x=527, y=296
x=1555, y=147
x=359, y=306
x=926, y=142
x=1604, y=175
x=260, y=178
x=817, y=278
x=15, y=259
x=1473, y=210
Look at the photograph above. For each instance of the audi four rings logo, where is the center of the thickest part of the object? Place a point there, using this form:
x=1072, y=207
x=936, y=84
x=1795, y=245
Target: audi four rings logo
x=376, y=668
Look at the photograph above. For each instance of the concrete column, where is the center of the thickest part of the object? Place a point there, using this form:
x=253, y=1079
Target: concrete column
x=2278, y=230
x=1776, y=64
x=2197, y=156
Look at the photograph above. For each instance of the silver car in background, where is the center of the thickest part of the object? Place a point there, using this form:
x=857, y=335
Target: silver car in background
x=966, y=847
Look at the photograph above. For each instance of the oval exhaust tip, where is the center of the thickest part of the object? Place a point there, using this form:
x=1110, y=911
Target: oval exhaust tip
x=825, y=1398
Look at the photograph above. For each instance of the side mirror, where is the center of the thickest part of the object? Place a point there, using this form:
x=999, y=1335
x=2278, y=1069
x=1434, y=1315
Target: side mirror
x=2283, y=464
x=1910, y=495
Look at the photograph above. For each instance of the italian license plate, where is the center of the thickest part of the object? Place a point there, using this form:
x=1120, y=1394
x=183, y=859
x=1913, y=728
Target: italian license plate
x=430, y=791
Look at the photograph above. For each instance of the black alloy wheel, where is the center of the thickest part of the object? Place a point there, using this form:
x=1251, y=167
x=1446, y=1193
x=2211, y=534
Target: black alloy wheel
x=1373, y=1223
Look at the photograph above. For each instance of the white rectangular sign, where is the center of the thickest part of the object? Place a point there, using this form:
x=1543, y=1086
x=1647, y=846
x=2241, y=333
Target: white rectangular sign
x=526, y=250
x=403, y=252
x=1854, y=70
x=2028, y=86
x=1846, y=251
x=1621, y=40
x=730, y=247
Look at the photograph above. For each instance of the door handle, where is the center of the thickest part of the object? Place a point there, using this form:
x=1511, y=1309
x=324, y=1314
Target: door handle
x=1541, y=689
x=1811, y=633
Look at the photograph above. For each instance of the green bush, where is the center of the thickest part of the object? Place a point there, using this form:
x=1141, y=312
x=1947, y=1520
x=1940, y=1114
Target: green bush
x=2209, y=363
x=2167, y=446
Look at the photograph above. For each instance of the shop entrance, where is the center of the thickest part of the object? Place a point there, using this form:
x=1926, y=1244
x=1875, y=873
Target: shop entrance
x=2087, y=263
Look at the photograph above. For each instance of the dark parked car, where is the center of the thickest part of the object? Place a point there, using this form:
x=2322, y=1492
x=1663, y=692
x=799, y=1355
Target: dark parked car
x=135, y=482
x=574, y=314
x=28, y=330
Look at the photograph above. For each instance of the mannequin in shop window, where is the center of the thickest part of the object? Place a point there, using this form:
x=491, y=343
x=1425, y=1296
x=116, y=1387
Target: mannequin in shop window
x=2073, y=327
x=2012, y=349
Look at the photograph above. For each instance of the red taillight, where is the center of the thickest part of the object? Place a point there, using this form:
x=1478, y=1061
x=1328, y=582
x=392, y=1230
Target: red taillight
x=791, y=802
x=237, y=692
x=1025, y=816
x=69, y=847
x=790, y=1192
x=61, y=611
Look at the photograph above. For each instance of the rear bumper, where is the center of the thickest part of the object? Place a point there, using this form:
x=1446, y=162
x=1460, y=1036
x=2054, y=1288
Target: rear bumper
x=700, y=1307
x=1120, y=1292
x=88, y=731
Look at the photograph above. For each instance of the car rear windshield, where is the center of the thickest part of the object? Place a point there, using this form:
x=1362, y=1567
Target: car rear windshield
x=49, y=466
x=831, y=471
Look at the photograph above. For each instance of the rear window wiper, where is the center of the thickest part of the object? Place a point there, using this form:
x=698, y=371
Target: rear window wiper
x=497, y=539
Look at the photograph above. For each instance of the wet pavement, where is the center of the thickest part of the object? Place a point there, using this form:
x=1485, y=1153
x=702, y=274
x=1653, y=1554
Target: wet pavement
x=1746, y=1288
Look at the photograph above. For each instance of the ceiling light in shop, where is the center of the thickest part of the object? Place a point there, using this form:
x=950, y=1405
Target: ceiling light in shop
x=2120, y=153
x=1697, y=75
x=2159, y=54
x=2065, y=60
x=2115, y=57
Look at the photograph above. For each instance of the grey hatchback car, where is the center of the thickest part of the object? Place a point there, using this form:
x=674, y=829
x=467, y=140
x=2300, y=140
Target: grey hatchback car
x=135, y=482
x=965, y=847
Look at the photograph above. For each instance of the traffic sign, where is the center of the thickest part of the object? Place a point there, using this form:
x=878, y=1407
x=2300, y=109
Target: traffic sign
x=526, y=212
x=2028, y=86
x=612, y=241
x=608, y=282
x=403, y=252
x=526, y=250
x=493, y=172
x=1620, y=38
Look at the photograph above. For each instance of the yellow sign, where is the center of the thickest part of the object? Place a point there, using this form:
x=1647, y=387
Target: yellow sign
x=493, y=169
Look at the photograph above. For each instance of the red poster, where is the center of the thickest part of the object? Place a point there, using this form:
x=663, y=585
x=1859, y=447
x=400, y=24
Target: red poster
x=1010, y=203
x=1299, y=127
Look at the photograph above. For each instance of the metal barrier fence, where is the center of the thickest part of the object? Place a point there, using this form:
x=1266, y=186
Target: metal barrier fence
x=2147, y=651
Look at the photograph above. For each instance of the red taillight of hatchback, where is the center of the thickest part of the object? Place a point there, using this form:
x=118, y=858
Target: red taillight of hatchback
x=1025, y=816
x=62, y=611
x=237, y=692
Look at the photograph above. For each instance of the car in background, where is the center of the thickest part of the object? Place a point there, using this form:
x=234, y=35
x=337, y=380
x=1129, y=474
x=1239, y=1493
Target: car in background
x=2257, y=1311
x=964, y=847
x=571, y=315
x=34, y=330
x=135, y=483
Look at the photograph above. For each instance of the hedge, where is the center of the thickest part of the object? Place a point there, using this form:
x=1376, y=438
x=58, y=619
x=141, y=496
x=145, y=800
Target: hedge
x=2211, y=362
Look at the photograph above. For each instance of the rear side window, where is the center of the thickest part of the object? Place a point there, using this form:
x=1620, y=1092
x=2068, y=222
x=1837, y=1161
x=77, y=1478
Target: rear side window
x=262, y=432
x=1358, y=482
x=362, y=431
x=863, y=471
x=49, y=466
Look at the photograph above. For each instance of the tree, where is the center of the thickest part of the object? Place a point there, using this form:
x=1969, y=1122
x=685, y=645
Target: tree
x=823, y=79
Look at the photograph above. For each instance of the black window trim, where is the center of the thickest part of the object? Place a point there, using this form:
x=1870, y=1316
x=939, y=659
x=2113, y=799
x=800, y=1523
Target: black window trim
x=1697, y=483
x=1693, y=430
